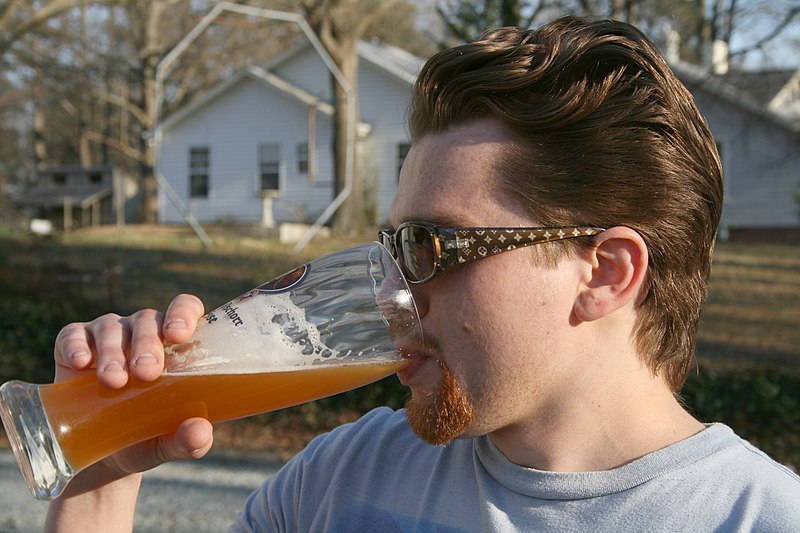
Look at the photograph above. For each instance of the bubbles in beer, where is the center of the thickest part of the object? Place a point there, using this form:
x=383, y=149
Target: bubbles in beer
x=253, y=333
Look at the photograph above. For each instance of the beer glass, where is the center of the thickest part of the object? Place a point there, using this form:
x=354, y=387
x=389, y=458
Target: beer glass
x=331, y=325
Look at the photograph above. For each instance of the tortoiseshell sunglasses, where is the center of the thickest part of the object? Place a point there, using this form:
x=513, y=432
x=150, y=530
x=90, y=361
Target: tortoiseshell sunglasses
x=423, y=250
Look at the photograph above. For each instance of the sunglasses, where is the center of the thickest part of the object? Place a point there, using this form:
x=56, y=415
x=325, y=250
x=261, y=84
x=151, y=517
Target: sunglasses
x=423, y=250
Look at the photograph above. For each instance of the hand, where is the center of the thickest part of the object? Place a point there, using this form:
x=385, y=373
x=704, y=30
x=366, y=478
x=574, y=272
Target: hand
x=118, y=348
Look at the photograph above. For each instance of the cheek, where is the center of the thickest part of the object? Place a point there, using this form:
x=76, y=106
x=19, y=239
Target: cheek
x=492, y=321
x=511, y=313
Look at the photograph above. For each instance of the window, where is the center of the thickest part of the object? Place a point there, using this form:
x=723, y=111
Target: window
x=95, y=178
x=198, y=172
x=269, y=166
x=402, y=152
x=302, y=158
x=59, y=179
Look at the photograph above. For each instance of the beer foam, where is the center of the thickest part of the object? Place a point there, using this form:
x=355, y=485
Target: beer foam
x=254, y=333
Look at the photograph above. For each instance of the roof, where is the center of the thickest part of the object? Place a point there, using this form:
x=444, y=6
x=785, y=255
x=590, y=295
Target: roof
x=763, y=85
x=79, y=195
x=47, y=194
x=255, y=73
x=694, y=77
x=76, y=169
x=393, y=60
x=263, y=77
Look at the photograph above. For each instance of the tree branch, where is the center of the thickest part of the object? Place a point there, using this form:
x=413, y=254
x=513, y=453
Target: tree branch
x=122, y=103
x=117, y=145
x=792, y=14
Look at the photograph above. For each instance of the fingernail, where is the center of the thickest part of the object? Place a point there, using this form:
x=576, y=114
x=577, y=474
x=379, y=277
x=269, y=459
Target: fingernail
x=80, y=356
x=145, y=359
x=112, y=366
x=175, y=323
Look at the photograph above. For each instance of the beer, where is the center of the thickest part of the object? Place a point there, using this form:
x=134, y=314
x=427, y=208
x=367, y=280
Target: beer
x=330, y=325
x=91, y=421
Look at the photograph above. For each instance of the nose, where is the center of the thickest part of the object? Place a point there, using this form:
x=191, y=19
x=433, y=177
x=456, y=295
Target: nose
x=421, y=296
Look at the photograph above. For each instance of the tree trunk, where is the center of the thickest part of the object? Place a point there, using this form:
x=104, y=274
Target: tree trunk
x=350, y=218
x=40, y=156
x=149, y=185
x=510, y=13
x=618, y=10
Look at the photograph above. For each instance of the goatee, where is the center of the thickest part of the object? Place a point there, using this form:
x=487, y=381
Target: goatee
x=444, y=417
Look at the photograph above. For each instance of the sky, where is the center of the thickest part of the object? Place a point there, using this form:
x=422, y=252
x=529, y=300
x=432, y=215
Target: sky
x=759, y=18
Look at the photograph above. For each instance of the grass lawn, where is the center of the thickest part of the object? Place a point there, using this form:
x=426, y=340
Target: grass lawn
x=753, y=311
x=750, y=323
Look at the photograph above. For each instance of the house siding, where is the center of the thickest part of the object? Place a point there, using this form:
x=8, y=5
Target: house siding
x=761, y=165
x=761, y=155
x=383, y=104
x=233, y=126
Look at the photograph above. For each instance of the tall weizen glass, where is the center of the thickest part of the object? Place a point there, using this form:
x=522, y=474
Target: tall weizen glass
x=328, y=326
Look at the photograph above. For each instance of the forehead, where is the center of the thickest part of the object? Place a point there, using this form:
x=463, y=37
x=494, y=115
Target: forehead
x=451, y=179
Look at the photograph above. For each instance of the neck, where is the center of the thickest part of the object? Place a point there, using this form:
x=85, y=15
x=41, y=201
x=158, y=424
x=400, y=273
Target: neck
x=600, y=423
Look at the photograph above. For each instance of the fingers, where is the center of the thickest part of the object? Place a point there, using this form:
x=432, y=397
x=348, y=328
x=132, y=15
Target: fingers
x=110, y=335
x=120, y=347
x=73, y=348
x=147, y=347
x=181, y=318
x=101, y=343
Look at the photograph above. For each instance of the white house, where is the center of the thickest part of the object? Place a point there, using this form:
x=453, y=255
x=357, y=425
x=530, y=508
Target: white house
x=755, y=119
x=258, y=148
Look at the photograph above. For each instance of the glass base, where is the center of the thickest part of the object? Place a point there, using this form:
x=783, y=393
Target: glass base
x=43, y=465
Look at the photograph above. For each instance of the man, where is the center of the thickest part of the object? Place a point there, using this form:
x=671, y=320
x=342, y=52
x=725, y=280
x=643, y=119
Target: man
x=545, y=394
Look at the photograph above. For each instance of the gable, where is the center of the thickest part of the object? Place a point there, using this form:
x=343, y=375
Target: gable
x=303, y=67
x=699, y=80
x=788, y=98
x=269, y=82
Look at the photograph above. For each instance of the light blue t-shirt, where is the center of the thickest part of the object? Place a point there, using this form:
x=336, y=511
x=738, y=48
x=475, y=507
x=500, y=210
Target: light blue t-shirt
x=377, y=476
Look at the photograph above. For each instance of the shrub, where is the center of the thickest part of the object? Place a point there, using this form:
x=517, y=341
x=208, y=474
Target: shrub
x=762, y=405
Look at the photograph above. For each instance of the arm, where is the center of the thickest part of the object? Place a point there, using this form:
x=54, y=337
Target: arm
x=116, y=348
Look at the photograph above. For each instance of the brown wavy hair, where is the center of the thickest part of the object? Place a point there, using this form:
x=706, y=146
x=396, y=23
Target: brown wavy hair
x=606, y=135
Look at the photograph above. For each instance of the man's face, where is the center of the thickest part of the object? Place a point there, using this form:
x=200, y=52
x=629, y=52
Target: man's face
x=493, y=328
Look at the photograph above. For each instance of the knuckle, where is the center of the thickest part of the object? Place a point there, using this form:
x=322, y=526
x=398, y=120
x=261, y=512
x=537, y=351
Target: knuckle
x=187, y=300
x=144, y=314
x=108, y=324
x=70, y=332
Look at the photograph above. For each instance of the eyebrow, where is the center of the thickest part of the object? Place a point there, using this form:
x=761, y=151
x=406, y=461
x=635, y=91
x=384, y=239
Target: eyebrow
x=441, y=221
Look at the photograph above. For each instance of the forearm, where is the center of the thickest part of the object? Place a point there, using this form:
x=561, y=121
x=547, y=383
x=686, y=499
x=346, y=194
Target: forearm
x=111, y=506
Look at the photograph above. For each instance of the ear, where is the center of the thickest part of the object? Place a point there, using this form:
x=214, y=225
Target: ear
x=615, y=271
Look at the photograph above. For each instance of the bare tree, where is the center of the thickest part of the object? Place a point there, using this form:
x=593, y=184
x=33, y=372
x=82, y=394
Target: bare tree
x=758, y=23
x=465, y=19
x=21, y=17
x=13, y=135
x=91, y=70
x=340, y=24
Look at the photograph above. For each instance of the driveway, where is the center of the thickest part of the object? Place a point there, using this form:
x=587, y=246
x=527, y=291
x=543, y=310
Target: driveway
x=199, y=496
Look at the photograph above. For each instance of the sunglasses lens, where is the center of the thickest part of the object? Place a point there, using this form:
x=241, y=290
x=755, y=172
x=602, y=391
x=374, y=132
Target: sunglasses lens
x=386, y=240
x=416, y=251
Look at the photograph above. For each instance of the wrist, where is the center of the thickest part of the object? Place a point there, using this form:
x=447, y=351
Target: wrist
x=96, y=496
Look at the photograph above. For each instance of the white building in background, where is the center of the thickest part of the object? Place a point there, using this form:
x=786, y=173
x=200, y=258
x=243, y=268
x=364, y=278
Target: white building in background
x=258, y=148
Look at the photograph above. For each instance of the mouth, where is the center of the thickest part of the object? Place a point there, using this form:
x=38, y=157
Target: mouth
x=417, y=357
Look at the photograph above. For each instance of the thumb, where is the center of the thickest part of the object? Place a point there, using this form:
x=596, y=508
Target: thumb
x=192, y=440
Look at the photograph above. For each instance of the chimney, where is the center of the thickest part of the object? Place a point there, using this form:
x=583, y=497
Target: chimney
x=673, y=45
x=719, y=57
